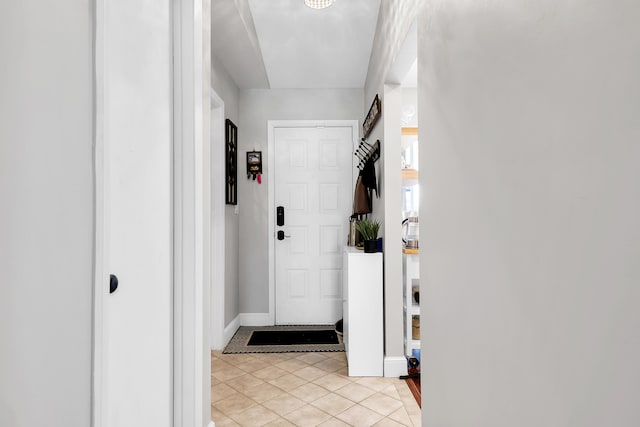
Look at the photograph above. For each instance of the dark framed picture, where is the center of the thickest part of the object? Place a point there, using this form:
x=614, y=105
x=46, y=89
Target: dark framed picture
x=231, y=189
x=372, y=117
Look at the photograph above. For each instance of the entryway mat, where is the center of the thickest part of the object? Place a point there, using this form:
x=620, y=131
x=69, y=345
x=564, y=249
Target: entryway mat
x=297, y=337
x=240, y=341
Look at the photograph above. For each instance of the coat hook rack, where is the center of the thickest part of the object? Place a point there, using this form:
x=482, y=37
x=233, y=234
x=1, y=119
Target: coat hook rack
x=367, y=152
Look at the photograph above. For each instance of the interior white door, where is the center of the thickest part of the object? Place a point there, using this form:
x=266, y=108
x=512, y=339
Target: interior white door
x=137, y=108
x=313, y=180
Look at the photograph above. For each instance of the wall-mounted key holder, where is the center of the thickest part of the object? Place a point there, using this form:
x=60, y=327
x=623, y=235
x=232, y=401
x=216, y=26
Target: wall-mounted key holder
x=254, y=164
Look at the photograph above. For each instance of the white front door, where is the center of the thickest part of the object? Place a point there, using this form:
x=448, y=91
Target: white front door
x=313, y=185
x=136, y=103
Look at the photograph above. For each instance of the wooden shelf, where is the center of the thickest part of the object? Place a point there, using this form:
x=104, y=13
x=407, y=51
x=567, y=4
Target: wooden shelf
x=409, y=174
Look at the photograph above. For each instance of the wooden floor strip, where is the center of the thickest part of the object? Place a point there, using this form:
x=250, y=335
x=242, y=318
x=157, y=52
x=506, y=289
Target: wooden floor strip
x=416, y=390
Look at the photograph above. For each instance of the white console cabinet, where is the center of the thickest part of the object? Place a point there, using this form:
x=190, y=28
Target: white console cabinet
x=363, y=331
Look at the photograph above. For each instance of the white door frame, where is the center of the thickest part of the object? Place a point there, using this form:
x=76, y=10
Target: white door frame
x=217, y=232
x=271, y=127
x=191, y=356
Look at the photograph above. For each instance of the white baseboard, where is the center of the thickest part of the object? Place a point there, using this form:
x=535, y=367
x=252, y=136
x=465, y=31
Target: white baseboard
x=230, y=330
x=256, y=319
x=395, y=366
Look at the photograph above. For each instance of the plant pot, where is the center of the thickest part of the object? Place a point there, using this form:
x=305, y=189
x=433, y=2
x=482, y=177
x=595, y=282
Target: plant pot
x=370, y=247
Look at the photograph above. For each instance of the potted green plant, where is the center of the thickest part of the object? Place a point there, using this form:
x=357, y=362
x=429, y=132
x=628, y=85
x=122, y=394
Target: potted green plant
x=368, y=229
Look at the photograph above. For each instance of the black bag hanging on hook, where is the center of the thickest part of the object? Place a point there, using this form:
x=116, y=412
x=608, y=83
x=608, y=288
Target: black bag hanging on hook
x=368, y=174
x=366, y=184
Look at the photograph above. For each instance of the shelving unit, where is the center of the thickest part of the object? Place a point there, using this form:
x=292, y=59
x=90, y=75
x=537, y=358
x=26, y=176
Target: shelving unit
x=410, y=273
x=410, y=257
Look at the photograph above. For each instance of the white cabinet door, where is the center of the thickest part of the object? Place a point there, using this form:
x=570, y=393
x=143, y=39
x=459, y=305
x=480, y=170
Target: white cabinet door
x=363, y=332
x=313, y=176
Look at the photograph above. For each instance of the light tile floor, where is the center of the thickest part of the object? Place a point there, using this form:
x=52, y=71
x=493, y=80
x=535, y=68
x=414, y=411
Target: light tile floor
x=304, y=389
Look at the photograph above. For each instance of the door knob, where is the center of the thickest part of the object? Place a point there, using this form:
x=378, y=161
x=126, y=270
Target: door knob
x=113, y=283
x=281, y=235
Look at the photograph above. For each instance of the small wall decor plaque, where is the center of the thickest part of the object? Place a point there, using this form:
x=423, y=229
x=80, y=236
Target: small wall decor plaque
x=372, y=117
x=254, y=164
x=231, y=189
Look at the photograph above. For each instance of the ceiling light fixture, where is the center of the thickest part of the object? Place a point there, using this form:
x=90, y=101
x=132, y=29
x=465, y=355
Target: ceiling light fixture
x=318, y=4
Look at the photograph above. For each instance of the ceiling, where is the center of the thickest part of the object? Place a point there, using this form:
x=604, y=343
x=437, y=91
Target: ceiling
x=284, y=44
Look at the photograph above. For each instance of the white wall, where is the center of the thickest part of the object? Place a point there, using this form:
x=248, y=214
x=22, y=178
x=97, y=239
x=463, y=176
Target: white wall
x=531, y=213
x=46, y=219
x=394, y=23
x=224, y=86
x=409, y=104
x=256, y=108
x=392, y=232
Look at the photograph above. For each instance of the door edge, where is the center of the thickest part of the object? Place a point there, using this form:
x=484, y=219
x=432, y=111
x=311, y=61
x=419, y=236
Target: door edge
x=100, y=183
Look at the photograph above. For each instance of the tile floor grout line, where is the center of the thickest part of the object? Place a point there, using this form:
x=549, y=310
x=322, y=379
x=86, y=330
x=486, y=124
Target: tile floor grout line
x=334, y=379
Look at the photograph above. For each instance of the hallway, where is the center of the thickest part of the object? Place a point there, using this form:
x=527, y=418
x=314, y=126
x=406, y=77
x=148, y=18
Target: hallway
x=529, y=218
x=304, y=389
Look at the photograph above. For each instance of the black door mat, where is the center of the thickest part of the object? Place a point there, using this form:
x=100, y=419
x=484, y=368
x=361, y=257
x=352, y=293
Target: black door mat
x=239, y=343
x=296, y=337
